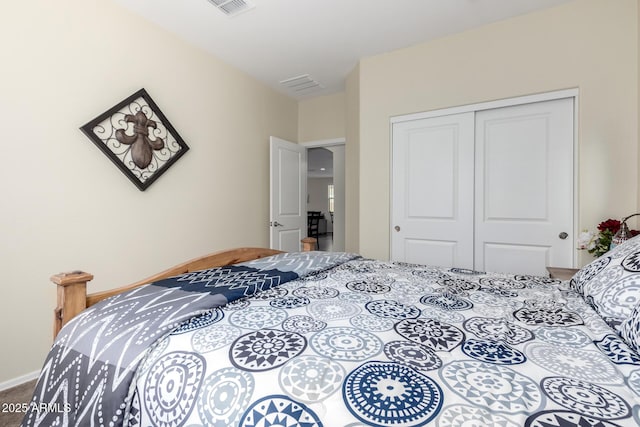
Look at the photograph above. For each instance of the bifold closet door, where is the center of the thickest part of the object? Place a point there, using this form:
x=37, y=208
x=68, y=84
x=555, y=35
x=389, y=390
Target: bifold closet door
x=490, y=190
x=432, y=191
x=524, y=187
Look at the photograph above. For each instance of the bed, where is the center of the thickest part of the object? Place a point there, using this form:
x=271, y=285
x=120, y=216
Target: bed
x=337, y=340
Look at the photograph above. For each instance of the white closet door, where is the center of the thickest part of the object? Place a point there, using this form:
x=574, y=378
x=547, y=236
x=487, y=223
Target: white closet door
x=432, y=191
x=524, y=187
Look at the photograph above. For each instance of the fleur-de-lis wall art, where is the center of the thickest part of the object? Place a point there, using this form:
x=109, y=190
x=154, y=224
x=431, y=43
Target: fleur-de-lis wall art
x=138, y=138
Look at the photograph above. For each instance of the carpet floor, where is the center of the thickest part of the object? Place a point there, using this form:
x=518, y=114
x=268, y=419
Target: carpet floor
x=11, y=401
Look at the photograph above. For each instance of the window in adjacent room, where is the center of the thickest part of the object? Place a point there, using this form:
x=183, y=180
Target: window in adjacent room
x=330, y=191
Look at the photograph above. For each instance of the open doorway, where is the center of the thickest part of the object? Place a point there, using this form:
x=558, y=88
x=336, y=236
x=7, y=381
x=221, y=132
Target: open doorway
x=325, y=192
x=321, y=196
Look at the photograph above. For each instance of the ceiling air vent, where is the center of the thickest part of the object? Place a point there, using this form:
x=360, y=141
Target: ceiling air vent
x=232, y=7
x=301, y=85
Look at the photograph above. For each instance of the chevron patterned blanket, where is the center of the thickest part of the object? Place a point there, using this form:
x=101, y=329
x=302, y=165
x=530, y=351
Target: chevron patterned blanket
x=99, y=351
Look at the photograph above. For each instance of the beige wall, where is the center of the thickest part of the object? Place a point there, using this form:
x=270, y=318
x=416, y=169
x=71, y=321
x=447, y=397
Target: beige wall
x=352, y=162
x=65, y=205
x=591, y=45
x=321, y=118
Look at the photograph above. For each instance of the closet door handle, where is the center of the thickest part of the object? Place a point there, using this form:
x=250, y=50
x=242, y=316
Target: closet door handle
x=563, y=235
x=397, y=228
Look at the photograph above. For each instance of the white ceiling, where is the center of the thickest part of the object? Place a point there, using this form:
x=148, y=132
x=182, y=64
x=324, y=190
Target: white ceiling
x=280, y=39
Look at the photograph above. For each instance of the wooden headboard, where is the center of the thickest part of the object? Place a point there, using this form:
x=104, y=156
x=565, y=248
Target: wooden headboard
x=72, y=286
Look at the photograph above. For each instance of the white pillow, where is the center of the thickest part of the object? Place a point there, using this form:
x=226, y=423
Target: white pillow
x=611, y=283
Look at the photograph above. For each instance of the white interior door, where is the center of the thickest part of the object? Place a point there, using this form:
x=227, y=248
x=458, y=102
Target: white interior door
x=288, y=195
x=524, y=187
x=432, y=191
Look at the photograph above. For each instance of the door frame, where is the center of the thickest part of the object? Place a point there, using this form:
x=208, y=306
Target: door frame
x=488, y=105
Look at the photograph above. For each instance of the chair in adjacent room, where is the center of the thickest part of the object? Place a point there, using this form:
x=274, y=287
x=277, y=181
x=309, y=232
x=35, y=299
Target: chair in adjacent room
x=313, y=226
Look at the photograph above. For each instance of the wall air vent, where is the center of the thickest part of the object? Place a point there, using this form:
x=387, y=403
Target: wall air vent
x=301, y=85
x=232, y=7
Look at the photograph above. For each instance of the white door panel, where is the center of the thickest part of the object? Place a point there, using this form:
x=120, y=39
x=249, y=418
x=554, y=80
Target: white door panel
x=432, y=191
x=515, y=259
x=289, y=239
x=288, y=190
x=289, y=161
x=515, y=164
x=524, y=187
x=431, y=252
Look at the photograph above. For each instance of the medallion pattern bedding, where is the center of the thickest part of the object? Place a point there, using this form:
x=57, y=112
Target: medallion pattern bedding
x=341, y=341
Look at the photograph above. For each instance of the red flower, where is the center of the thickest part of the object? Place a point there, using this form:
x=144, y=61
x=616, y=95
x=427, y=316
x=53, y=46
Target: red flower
x=613, y=225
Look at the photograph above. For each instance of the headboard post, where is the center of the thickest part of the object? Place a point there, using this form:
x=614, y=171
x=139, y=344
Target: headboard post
x=72, y=297
x=72, y=287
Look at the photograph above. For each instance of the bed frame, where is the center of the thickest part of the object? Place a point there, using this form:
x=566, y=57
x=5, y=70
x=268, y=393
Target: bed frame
x=72, y=286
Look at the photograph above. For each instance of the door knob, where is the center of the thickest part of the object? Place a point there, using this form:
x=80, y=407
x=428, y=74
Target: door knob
x=277, y=224
x=563, y=235
x=397, y=228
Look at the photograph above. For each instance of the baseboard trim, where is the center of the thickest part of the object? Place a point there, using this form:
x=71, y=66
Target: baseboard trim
x=20, y=380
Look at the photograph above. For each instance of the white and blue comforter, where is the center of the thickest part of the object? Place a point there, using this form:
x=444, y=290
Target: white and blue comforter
x=364, y=343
